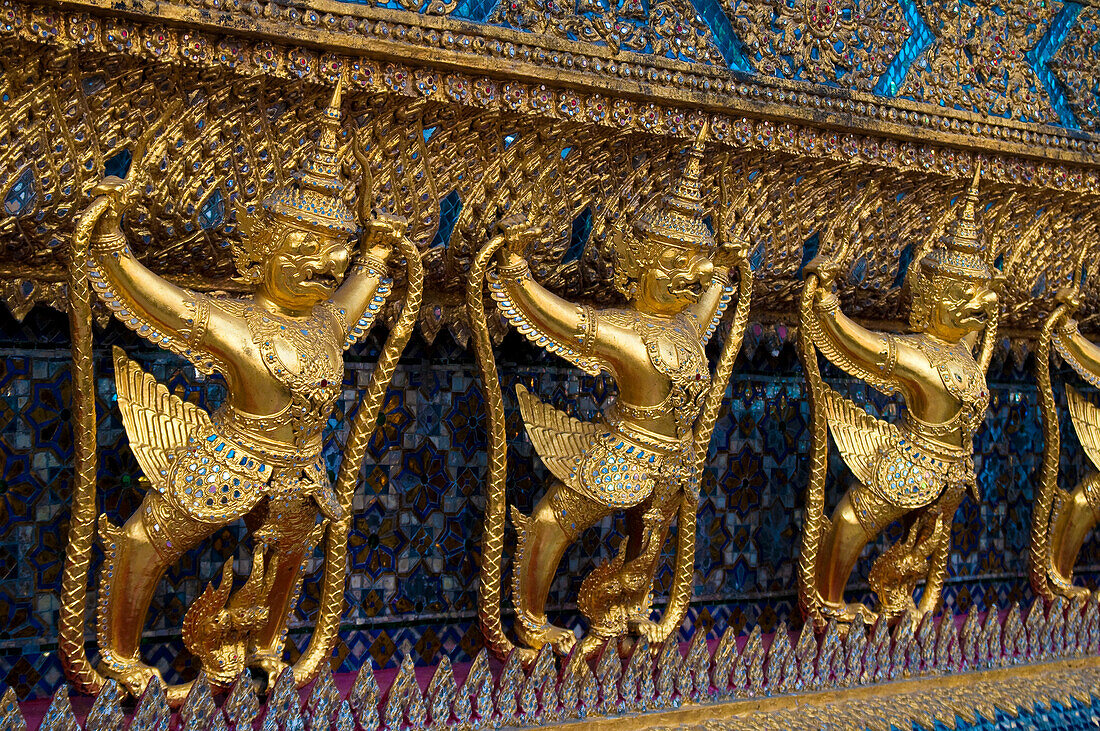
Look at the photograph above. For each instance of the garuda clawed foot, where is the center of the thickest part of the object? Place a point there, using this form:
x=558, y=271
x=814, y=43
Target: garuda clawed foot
x=538, y=631
x=131, y=673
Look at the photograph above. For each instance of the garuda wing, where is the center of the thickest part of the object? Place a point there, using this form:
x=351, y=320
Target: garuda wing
x=559, y=439
x=1086, y=422
x=157, y=422
x=859, y=436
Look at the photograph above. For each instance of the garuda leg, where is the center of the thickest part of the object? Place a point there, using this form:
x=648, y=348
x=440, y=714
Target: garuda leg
x=138, y=553
x=288, y=531
x=647, y=531
x=557, y=521
x=1073, y=518
x=859, y=517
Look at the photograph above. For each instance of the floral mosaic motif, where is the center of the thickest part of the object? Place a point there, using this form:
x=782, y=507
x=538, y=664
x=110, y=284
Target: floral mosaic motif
x=670, y=28
x=847, y=43
x=1076, y=65
x=415, y=536
x=979, y=59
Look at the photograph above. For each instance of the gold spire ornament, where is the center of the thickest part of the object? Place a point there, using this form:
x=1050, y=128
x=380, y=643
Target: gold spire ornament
x=643, y=456
x=915, y=470
x=258, y=456
x=1061, y=519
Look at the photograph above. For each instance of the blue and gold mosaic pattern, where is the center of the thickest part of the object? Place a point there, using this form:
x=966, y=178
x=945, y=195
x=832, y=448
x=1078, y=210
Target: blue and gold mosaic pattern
x=417, y=524
x=1071, y=716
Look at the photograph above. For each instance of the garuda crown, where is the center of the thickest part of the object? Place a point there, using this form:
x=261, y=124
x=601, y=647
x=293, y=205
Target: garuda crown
x=960, y=254
x=315, y=198
x=676, y=220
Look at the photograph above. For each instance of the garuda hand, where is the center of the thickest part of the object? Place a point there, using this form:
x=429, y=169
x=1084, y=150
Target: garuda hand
x=825, y=268
x=519, y=235
x=120, y=195
x=1070, y=299
x=731, y=253
x=383, y=234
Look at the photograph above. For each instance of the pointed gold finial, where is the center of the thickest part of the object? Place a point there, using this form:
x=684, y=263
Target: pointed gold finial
x=315, y=197
x=960, y=253
x=677, y=220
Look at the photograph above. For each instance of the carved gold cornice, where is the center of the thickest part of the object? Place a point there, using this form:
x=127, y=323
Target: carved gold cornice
x=424, y=56
x=484, y=116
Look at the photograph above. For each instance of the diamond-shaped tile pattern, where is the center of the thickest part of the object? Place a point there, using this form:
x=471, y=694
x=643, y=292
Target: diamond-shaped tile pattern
x=415, y=536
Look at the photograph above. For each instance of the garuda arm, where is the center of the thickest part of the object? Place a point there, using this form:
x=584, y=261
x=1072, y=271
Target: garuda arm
x=554, y=324
x=868, y=355
x=168, y=316
x=575, y=332
x=865, y=354
x=356, y=304
x=1084, y=357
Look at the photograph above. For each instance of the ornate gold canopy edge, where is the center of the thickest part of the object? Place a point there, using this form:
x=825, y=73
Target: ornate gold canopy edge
x=454, y=124
x=972, y=696
x=423, y=55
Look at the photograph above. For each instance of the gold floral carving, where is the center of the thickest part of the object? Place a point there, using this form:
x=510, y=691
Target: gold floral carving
x=1076, y=65
x=979, y=59
x=849, y=43
x=670, y=28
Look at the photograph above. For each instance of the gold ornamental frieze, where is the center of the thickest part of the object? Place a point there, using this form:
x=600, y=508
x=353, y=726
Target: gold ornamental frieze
x=72, y=113
x=994, y=90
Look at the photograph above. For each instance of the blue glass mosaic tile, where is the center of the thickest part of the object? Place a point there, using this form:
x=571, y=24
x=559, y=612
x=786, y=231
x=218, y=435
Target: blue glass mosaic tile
x=415, y=535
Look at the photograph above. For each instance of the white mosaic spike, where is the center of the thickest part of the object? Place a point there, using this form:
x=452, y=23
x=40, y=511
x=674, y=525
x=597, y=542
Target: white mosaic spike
x=242, y=707
x=152, y=712
x=805, y=658
x=902, y=650
x=749, y=678
x=668, y=671
x=1036, y=628
x=540, y=690
x=609, y=670
x=991, y=647
x=855, y=645
x=478, y=689
x=322, y=702
x=926, y=645
x=578, y=694
x=11, y=718
x=508, y=690
x=1014, y=637
x=1091, y=634
x=363, y=699
x=775, y=667
x=59, y=715
x=830, y=657
x=693, y=682
x=947, y=646
x=198, y=709
x=344, y=720
x=106, y=713
x=725, y=660
x=639, y=667
x=283, y=710
x=969, y=638
x=404, y=706
x=442, y=691
x=876, y=662
x=1056, y=629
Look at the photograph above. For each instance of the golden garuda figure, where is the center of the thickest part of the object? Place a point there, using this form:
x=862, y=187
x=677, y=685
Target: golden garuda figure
x=258, y=455
x=644, y=455
x=915, y=470
x=1060, y=519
